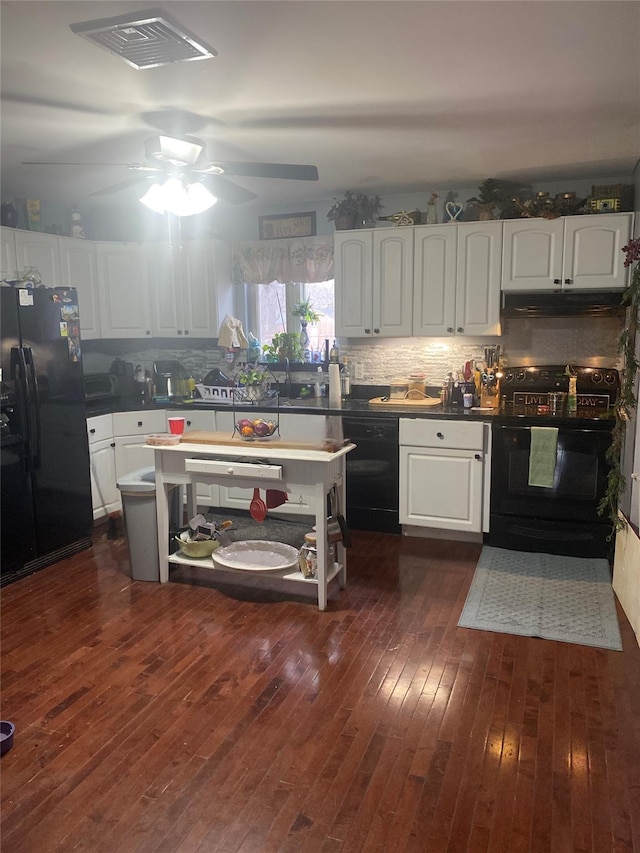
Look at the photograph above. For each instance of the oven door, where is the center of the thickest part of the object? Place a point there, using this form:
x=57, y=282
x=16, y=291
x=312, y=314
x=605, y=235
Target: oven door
x=562, y=519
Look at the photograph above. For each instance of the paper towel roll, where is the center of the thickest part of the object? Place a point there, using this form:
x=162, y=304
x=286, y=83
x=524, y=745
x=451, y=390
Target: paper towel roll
x=334, y=385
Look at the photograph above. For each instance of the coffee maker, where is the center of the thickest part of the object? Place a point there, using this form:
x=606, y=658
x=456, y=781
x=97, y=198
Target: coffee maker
x=169, y=379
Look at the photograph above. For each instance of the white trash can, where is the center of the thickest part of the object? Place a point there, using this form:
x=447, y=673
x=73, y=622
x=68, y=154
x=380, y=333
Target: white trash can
x=138, y=490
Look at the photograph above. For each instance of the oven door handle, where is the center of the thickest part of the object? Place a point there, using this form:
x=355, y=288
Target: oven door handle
x=572, y=429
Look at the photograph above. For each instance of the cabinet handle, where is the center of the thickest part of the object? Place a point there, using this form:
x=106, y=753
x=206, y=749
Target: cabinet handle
x=440, y=435
x=148, y=332
x=92, y=431
x=450, y=329
x=113, y=444
x=478, y=456
x=367, y=331
x=188, y=423
x=139, y=423
x=460, y=329
x=376, y=331
x=557, y=281
x=568, y=281
x=179, y=331
x=186, y=331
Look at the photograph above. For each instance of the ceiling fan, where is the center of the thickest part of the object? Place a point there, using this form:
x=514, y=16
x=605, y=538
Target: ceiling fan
x=183, y=157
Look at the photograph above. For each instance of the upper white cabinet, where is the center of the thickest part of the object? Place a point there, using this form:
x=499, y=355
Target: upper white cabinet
x=457, y=279
x=374, y=282
x=571, y=253
x=8, y=261
x=123, y=289
x=39, y=250
x=79, y=269
x=190, y=288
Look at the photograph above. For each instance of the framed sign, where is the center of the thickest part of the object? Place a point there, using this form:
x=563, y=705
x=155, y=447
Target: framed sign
x=285, y=225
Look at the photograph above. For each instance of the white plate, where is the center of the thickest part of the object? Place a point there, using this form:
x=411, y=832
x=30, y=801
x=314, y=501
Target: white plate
x=256, y=555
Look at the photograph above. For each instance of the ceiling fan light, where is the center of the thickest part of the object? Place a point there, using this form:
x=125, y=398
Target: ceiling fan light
x=174, y=197
x=154, y=198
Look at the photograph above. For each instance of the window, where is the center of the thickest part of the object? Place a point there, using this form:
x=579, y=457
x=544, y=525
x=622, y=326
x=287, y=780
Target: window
x=270, y=306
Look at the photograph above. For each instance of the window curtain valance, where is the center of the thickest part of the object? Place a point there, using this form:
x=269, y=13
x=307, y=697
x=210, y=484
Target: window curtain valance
x=299, y=260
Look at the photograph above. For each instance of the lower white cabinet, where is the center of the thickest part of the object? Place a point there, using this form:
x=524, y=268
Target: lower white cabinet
x=105, y=496
x=208, y=495
x=442, y=467
x=129, y=434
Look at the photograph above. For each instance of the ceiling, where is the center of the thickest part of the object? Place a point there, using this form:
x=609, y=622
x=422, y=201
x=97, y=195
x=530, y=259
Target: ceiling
x=388, y=97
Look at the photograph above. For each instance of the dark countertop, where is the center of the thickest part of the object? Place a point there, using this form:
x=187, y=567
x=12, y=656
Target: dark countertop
x=362, y=409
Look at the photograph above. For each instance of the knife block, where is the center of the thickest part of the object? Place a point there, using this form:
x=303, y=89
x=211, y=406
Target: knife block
x=490, y=392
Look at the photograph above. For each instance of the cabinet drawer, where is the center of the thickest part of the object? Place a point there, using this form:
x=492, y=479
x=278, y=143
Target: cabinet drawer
x=99, y=428
x=451, y=435
x=229, y=468
x=139, y=423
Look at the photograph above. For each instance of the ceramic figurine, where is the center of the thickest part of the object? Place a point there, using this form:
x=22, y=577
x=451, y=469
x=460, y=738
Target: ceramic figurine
x=432, y=210
x=453, y=211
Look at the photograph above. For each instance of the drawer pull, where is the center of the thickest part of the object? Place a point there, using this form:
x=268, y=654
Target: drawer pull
x=229, y=470
x=92, y=431
x=139, y=423
x=440, y=435
x=478, y=457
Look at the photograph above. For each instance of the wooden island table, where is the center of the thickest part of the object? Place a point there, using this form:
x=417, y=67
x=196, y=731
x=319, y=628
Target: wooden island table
x=309, y=469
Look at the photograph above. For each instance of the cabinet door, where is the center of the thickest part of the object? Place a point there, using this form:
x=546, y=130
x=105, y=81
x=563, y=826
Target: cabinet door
x=124, y=290
x=593, y=258
x=105, y=495
x=131, y=454
x=8, y=260
x=79, y=270
x=164, y=291
x=434, y=280
x=441, y=488
x=207, y=495
x=353, y=259
x=393, y=282
x=205, y=286
x=479, y=258
x=34, y=249
x=532, y=254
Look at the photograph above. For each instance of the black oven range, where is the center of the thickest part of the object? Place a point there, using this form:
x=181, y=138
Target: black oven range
x=558, y=515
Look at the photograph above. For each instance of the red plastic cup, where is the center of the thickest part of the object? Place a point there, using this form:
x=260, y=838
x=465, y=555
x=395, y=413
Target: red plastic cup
x=176, y=425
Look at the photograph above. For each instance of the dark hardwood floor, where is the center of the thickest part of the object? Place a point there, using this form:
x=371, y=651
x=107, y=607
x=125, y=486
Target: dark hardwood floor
x=189, y=717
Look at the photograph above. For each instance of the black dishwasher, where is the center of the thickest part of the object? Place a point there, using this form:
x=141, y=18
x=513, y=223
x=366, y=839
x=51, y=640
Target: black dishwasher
x=372, y=474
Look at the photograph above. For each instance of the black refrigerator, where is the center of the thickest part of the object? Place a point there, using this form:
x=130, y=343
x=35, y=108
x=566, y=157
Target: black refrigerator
x=45, y=480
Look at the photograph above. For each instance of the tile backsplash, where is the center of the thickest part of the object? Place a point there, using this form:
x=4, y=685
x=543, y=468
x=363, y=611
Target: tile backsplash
x=588, y=341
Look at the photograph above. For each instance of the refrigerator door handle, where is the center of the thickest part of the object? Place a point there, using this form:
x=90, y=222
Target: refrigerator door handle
x=33, y=397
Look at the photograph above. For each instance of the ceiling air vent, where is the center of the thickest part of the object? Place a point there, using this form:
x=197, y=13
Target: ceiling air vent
x=146, y=39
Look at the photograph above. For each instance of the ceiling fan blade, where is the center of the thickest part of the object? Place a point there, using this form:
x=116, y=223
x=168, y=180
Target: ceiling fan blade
x=123, y=185
x=227, y=191
x=269, y=170
x=53, y=163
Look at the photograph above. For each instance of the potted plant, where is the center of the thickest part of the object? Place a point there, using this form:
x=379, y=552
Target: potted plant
x=495, y=194
x=370, y=207
x=344, y=212
x=252, y=382
x=283, y=346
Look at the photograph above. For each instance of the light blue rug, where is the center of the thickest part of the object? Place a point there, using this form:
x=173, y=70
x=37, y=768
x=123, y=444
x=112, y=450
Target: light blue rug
x=542, y=595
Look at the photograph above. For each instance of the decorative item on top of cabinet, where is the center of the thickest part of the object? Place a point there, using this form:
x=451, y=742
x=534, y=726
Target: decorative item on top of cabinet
x=431, y=217
x=497, y=196
x=403, y=217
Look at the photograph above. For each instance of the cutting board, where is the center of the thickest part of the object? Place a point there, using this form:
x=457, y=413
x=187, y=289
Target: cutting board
x=223, y=439
x=407, y=403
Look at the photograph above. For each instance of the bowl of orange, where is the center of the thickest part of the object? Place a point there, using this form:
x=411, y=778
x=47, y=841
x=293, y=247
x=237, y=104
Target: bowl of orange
x=252, y=429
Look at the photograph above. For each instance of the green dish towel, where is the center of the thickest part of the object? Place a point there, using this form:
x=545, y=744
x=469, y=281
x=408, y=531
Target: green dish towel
x=542, y=456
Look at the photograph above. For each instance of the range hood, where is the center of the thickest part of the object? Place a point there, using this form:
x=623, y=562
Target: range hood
x=565, y=304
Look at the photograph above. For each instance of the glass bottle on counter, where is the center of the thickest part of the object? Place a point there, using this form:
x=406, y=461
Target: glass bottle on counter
x=345, y=378
x=334, y=354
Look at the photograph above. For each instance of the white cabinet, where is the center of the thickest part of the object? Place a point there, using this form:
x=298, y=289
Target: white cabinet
x=79, y=270
x=124, y=290
x=129, y=432
x=8, y=260
x=571, y=253
x=292, y=426
x=35, y=249
x=190, y=288
x=373, y=272
x=442, y=467
x=105, y=496
x=457, y=279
